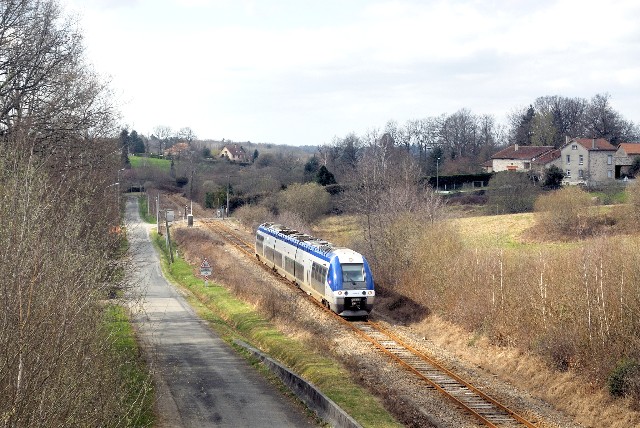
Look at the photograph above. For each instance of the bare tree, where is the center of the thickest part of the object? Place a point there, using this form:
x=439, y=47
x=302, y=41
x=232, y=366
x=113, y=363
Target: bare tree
x=387, y=192
x=59, y=159
x=47, y=93
x=186, y=134
x=163, y=134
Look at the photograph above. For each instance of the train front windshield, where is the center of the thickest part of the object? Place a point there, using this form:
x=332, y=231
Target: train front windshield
x=353, y=275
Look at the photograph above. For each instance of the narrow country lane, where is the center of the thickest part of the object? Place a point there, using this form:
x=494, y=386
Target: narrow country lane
x=202, y=382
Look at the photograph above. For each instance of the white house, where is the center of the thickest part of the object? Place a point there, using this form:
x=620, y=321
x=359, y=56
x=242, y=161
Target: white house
x=588, y=161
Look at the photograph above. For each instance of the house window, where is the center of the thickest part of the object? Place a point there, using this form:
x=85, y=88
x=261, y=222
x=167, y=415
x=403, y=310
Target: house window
x=574, y=147
x=580, y=173
x=609, y=159
x=568, y=159
x=581, y=159
x=527, y=165
x=609, y=173
x=569, y=173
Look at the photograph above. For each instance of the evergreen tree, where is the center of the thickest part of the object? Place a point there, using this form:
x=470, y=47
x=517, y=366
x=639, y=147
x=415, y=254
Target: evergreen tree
x=311, y=168
x=325, y=177
x=135, y=143
x=124, y=151
x=553, y=178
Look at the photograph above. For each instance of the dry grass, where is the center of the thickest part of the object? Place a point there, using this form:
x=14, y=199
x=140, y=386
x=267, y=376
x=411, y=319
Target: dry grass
x=341, y=230
x=494, y=231
x=591, y=406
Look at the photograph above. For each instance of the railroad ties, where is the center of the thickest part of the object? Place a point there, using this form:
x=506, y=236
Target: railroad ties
x=230, y=236
x=487, y=410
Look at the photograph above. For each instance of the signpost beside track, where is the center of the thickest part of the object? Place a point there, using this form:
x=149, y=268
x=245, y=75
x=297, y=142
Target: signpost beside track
x=205, y=270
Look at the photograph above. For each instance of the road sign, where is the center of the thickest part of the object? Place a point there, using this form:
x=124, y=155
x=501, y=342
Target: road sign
x=205, y=268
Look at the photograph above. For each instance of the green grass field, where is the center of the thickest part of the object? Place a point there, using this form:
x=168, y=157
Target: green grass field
x=141, y=161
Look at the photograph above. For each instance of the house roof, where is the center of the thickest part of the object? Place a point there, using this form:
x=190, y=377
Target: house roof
x=593, y=143
x=522, y=152
x=630, y=148
x=547, y=157
x=235, y=150
x=177, y=148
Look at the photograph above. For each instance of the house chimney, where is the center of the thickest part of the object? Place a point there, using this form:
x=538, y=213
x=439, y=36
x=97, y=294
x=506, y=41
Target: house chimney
x=593, y=143
x=566, y=139
x=515, y=147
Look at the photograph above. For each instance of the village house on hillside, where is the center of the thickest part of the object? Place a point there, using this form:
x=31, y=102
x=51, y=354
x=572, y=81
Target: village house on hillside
x=588, y=161
x=234, y=153
x=177, y=149
x=532, y=159
x=624, y=157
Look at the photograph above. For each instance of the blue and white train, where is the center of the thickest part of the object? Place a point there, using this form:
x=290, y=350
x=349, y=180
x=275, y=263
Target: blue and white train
x=339, y=278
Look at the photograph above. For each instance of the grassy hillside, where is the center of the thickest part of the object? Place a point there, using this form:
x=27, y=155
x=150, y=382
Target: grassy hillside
x=141, y=161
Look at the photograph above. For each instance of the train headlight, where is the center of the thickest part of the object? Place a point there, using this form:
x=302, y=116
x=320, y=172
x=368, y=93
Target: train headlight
x=346, y=293
x=370, y=292
x=340, y=293
x=364, y=292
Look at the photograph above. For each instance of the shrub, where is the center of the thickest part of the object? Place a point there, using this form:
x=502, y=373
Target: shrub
x=309, y=201
x=253, y=215
x=553, y=177
x=181, y=181
x=511, y=192
x=633, y=198
x=564, y=212
x=625, y=379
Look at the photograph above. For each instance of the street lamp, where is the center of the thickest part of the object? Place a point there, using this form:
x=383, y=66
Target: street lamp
x=437, y=173
x=118, y=183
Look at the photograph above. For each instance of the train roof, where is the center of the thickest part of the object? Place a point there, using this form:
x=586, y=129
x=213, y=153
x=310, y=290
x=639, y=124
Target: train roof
x=306, y=240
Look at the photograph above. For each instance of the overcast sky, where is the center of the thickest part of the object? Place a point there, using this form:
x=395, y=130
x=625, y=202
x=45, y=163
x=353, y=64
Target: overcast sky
x=301, y=71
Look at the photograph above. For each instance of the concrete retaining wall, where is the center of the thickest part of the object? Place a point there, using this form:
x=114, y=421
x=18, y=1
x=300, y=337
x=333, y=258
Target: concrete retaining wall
x=324, y=407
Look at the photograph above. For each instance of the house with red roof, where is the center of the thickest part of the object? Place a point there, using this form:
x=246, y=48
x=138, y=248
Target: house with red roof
x=624, y=157
x=234, y=153
x=177, y=150
x=588, y=161
x=530, y=159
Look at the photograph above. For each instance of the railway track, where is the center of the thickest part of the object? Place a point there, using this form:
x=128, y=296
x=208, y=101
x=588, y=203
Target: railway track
x=487, y=410
x=230, y=236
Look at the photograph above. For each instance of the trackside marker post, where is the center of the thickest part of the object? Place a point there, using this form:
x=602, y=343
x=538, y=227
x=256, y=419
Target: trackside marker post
x=205, y=270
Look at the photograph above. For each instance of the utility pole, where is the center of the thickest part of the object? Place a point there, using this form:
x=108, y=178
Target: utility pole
x=166, y=221
x=158, y=211
x=437, y=175
x=228, y=184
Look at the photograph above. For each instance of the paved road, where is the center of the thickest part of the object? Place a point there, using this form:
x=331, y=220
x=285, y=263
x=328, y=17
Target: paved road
x=202, y=381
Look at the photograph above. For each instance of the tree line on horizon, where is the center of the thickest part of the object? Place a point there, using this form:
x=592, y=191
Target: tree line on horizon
x=461, y=142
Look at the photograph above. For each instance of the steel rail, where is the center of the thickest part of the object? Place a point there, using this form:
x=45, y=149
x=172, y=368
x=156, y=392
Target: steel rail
x=451, y=374
x=486, y=409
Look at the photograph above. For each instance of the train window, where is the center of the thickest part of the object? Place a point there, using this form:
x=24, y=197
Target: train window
x=299, y=271
x=352, y=272
x=289, y=265
x=318, y=273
